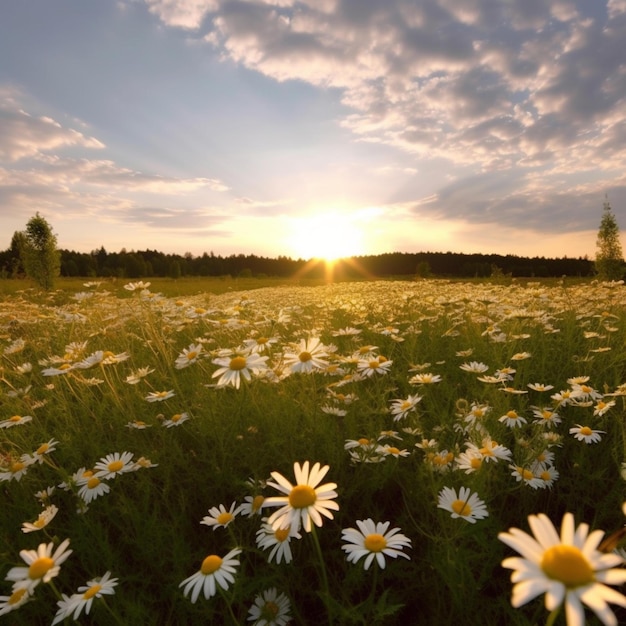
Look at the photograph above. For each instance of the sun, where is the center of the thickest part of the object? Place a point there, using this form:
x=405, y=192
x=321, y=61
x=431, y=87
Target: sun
x=327, y=236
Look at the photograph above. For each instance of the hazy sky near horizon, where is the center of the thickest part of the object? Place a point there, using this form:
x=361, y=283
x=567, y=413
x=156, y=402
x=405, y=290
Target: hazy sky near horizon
x=313, y=127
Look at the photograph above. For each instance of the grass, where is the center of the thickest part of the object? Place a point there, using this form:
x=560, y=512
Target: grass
x=146, y=530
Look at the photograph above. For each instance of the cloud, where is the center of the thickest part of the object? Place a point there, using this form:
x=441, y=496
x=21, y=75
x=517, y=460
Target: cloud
x=23, y=135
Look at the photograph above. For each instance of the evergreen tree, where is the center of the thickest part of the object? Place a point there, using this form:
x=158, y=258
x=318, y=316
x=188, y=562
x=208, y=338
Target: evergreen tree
x=41, y=258
x=609, y=262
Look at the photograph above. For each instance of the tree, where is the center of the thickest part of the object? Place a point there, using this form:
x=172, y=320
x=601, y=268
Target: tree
x=609, y=262
x=41, y=258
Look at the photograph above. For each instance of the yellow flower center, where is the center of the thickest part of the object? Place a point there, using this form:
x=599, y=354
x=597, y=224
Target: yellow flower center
x=460, y=507
x=512, y=415
x=199, y=310
x=305, y=356
x=568, y=565
x=476, y=462
x=393, y=450
x=115, y=466
x=282, y=534
x=211, y=564
x=257, y=502
x=93, y=482
x=16, y=596
x=586, y=389
x=525, y=474
x=107, y=354
x=545, y=475
x=40, y=522
x=17, y=467
x=270, y=611
x=363, y=441
x=176, y=417
x=262, y=340
x=15, y=418
x=546, y=415
x=224, y=518
x=64, y=366
x=302, y=496
x=374, y=364
x=42, y=449
x=238, y=363
x=91, y=592
x=40, y=567
x=192, y=354
x=87, y=473
x=585, y=430
x=375, y=542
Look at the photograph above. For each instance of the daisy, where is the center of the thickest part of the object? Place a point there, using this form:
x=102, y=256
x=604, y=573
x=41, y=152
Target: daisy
x=474, y=367
x=220, y=517
x=602, y=407
x=252, y=505
x=467, y=505
x=512, y=419
x=234, y=368
x=188, y=356
x=277, y=539
x=469, y=461
x=113, y=464
x=425, y=379
x=388, y=450
x=549, y=475
x=569, y=569
x=303, y=502
x=138, y=425
x=545, y=416
x=586, y=434
x=539, y=387
x=176, y=420
x=159, y=396
x=43, y=449
x=270, y=609
x=370, y=367
x=138, y=285
x=135, y=377
x=91, y=487
x=520, y=356
x=214, y=571
x=401, y=408
x=526, y=476
x=259, y=344
x=45, y=517
x=43, y=565
x=14, y=601
x=372, y=541
x=308, y=356
x=75, y=603
x=16, y=420
x=16, y=469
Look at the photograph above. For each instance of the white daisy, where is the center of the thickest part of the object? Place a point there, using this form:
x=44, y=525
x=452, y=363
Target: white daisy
x=214, y=571
x=466, y=505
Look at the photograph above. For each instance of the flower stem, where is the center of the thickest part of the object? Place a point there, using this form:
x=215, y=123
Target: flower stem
x=552, y=617
x=322, y=567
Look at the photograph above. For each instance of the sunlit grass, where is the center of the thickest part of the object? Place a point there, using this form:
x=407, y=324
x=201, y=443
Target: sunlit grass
x=402, y=388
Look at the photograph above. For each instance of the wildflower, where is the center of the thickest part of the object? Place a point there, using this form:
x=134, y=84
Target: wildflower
x=135, y=377
x=232, y=369
x=74, y=604
x=252, y=505
x=520, y=356
x=586, y=434
x=277, y=539
x=308, y=356
x=220, y=517
x=270, y=609
x=467, y=505
x=44, y=518
x=401, y=408
x=491, y=450
x=188, y=356
x=526, y=476
x=545, y=416
x=215, y=570
x=176, y=420
x=602, y=407
x=333, y=410
x=477, y=412
x=373, y=366
x=304, y=502
x=441, y=461
x=372, y=541
x=539, y=387
x=259, y=344
x=143, y=463
x=91, y=487
x=159, y=396
x=583, y=392
x=388, y=450
x=569, y=569
x=138, y=285
x=43, y=449
x=512, y=419
x=474, y=367
x=549, y=475
x=16, y=420
x=24, y=368
x=14, y=601
x=138, y=425
x=425, y=379
x=16, y=469
x=43, y=565
x=470, y=461
x=113, y=464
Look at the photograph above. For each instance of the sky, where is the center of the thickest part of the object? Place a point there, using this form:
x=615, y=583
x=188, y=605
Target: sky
x=312, y=128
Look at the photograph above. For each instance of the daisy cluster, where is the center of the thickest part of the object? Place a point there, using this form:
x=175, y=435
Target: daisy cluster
x=447, y=410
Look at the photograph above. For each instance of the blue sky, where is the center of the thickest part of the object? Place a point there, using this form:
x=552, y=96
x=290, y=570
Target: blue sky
x=314, y=127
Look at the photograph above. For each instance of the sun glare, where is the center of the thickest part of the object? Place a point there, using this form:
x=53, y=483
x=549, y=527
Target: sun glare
x=327, y=236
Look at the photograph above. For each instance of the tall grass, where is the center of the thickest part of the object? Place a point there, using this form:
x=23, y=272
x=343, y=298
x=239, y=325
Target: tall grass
x=147, y=530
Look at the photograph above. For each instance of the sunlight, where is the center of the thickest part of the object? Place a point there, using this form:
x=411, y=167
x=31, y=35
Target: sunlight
x=327, y=236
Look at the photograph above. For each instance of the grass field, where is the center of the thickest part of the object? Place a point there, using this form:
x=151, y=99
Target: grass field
x=171, y=432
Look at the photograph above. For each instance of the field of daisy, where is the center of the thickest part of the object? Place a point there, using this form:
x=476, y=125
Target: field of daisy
x=425, y=452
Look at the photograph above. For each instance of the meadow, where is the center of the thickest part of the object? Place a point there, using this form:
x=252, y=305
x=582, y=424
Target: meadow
x=242, y=455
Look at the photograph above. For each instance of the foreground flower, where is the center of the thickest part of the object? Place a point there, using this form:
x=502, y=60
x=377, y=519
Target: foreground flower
x=372, y=541
x=214, y=571
x=567, y=569
x=467, y=505
x=43, y=565
x=308, y=356
x=113, y=464
x=270, y=608
x=75, y=603
x=220, y=517
x=303, y=502
x=234, y=368
x=586, y=434
x=45, y=517
x=278, y=540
